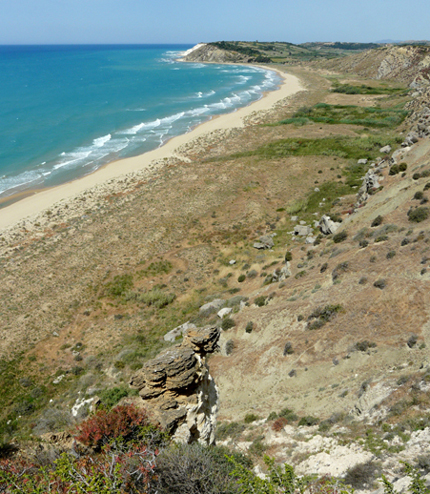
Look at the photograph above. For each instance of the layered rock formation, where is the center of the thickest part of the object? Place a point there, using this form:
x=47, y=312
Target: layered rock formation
x=178, y=390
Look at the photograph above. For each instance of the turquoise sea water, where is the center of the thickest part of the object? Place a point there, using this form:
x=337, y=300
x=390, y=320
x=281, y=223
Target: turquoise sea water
x=67, y=110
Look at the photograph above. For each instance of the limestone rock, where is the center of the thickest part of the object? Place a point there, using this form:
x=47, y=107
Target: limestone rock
x=178, y=331
x=303, y=230
x=370, y=181
x=265, y=242
x=224, y=312
x=386, y=149
x=328, y=226
x=363, y=161
x=211, y=307
x=177, y=389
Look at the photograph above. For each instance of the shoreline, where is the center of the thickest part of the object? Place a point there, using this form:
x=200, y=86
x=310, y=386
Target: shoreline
x=35, y=202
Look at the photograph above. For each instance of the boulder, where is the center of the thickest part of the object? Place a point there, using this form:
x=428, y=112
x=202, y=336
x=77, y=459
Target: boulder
x=177, y=389
x=303, y=230
x=370, y=181
x=363, y=161
x=328, y=226
x=178, y=331
x=225, y=312
x=410, y=140
x=211, y=307
x=386, y=149
x=265, y=242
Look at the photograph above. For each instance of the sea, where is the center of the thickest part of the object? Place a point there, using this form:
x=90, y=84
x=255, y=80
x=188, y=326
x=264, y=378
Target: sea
x=67, y=110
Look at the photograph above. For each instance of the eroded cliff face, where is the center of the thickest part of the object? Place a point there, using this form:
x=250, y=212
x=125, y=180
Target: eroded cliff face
x=211, y=53
x=178, y=390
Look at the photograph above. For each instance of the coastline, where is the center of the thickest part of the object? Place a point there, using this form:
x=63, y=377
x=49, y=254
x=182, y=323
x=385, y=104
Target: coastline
x=115, y=176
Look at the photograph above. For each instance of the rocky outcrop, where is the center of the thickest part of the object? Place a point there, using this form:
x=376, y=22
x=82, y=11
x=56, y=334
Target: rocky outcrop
x=214, y=54
x=327, y=225
x=178, y=390
x=370, y=183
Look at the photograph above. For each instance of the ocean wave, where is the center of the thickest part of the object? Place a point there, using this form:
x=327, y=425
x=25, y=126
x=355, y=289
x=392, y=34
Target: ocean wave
x=101, y=141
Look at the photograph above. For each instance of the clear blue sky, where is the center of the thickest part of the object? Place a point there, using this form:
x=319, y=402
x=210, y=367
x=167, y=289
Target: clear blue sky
x=192, y=21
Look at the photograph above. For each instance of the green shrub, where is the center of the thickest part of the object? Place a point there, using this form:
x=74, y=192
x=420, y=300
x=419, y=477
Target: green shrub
x=227, y=323
x=110, y=397
x=394, y=170
x=418, y=195
x=419, y=214
x=391, y=254
x=377, y=221
x=381, y=284
x=252, y=274
x=288, y=349
x=225, y=430
x=229, y=347
x=427, y=186
x=195, y=469
x=249, y=327
x=241, y=278
x=363, y=346
x=381, y=238
x=119, y=286
x=403, y=166
x=340, y=237
x=288, y=256
x=362, y=476
x=308, y=421
x=260, y=301
x=363, y=243
x=156, y=298
x=322, y=315
x=288, y=414
x=250, y=417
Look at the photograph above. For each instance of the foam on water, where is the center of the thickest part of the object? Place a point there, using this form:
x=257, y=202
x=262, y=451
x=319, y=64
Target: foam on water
x=232, y=87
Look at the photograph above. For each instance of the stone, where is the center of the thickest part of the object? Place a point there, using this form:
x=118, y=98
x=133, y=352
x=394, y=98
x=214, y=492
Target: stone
x=328, y=226
x=316, y=189
x=310, y=240
x=294, y=218
x=386, y=149
x=212, y=307
x=302, y=230
x=362, y=161
x=411, y=139
x=232, y=262
x=179, y=331
x=178, y=390
x=224, y=312
x=370, y=182
x=265, y=242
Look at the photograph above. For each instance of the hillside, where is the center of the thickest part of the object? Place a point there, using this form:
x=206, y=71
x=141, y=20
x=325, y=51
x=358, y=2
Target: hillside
x=323, y=358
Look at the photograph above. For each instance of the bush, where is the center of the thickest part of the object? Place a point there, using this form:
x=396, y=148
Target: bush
x=324, y=267
x=288, y=414
x=227, y=323
x=110, y=397
x=232, y=430
x=394, y=170
x=249, y=327
x=418, y=195
x=391, y=254
x=288, y=349
x=155, y=298
x=119, y=286
x=339, y=269
x=377, y=221
x=381, y=284
x=362, y=476
x=250, y=417
x=416, y=176
x=124, y=422
x=427, y=186
x=229, y=347
x=288, y=256
x=279, y=424
x=323, y=315
x=252, y=274
x=260, y=301
x=403, y=166
x=412, y=341
x=363, y=243
x=308, y=421
x=241, y=278
x=363, y=346
x=340, y=237
x=419, y=214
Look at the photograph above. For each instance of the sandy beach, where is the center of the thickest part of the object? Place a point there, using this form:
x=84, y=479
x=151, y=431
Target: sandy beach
x=117, y=175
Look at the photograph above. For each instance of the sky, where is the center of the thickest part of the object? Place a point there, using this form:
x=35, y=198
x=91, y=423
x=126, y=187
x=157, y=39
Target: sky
x=194, y=21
